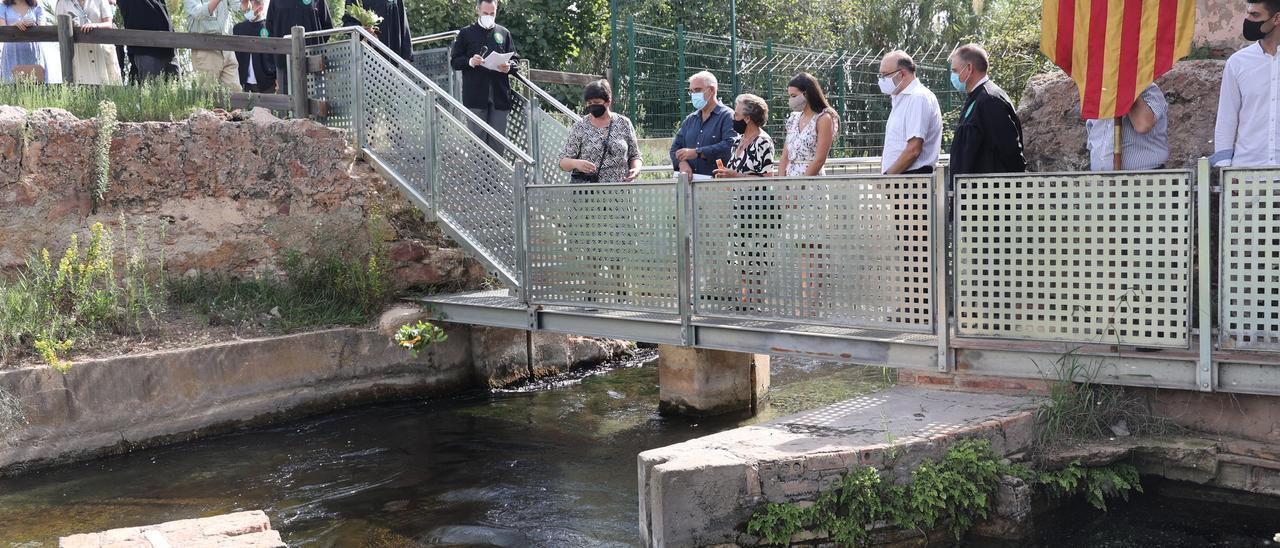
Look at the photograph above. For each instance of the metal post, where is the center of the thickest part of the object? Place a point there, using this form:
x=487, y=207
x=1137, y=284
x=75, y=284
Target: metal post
x=938, y=270
x=357, y=80
x=298, y=71
x=433, y=156
x=768, y=71
x=631, y=67
x=66, y=48
x=680, y=67
x=613, y=45
x=684, y=228
x=534, y=150
x=733, y=46
x=519, y=205
x=1206, y=373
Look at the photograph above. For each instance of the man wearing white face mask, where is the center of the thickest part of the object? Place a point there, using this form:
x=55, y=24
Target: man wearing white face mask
x=913, y=134
x=486, y=92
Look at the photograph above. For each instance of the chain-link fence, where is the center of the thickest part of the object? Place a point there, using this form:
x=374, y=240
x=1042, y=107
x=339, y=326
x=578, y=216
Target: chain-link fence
x=652, y=65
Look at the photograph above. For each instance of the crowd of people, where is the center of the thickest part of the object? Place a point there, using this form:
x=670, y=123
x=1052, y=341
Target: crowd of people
x=716, y=141
x=104, y=64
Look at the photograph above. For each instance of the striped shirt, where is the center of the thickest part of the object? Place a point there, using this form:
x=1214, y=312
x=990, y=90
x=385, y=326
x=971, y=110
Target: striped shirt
x=1138, y=151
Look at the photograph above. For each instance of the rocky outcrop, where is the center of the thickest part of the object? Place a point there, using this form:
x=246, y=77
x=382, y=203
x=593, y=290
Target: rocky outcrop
x=217, y=192
x=1054, y=135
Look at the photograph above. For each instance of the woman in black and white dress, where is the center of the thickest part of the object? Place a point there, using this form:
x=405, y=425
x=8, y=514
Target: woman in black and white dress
x=753, y=149
x=601, y=147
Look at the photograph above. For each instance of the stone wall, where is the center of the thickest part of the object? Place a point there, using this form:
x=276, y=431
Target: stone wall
x=215, y=193
x=1054, y=135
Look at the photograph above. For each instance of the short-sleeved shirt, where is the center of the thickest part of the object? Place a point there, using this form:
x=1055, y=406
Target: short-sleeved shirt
x=1137, y=151
x=587, y=142
x=915, y=115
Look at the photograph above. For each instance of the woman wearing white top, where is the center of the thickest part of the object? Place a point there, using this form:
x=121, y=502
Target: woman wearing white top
x=93, y=63
x=811, y=128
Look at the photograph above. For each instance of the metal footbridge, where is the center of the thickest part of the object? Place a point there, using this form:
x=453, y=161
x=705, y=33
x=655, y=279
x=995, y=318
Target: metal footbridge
x=998, y=276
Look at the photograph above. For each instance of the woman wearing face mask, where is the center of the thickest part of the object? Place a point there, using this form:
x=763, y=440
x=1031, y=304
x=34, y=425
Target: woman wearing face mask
x=601, y=147
x=753, y=148
x=811, y=128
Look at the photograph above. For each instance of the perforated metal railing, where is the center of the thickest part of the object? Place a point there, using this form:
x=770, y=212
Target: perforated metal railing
x=419, y=135
x=604, y=245
x=1249, y=260
x=1083, y=257
x=847, y=251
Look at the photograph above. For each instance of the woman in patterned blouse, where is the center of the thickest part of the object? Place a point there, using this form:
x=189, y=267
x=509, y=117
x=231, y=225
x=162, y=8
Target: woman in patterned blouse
x=753, y=149
x=601, y=147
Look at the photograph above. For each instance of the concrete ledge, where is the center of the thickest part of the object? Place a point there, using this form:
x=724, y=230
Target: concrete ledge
x=249, y=529
x=119, y=404
x=702, y=492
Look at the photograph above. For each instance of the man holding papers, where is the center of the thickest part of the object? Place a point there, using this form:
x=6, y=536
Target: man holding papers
x=485, y=53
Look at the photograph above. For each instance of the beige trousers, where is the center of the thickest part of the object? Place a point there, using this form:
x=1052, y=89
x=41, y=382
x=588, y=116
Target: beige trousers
x=219, y=65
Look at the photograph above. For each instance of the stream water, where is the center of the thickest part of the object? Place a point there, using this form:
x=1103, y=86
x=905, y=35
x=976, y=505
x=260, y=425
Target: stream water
x=550, y=464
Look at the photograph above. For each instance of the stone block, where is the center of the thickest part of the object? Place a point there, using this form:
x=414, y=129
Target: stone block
x=702, y=382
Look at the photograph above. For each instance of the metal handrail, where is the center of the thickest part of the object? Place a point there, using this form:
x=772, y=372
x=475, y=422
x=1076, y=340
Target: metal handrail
x=441, y=94
x=547, y=98
x=433, y=37
x=833, y=162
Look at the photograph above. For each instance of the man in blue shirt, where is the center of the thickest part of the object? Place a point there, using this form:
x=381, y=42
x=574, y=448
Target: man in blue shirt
x=706, y=135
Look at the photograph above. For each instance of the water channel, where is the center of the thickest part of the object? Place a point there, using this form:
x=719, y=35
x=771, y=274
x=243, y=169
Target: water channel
x=551, y=464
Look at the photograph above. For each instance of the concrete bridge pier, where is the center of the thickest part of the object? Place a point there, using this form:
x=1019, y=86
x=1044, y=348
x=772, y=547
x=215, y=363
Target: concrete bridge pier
x=699, y=382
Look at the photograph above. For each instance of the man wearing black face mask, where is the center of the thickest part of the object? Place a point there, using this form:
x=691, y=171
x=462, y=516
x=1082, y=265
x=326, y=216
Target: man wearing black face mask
x=1248, y=127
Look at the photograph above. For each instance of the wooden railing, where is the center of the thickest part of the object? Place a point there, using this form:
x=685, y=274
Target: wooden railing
x=293, y=46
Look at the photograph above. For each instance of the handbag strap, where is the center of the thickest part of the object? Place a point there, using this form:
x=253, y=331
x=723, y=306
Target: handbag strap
x=605, y=153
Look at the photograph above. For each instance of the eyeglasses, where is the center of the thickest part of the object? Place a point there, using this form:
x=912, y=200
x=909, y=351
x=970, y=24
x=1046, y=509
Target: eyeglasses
x=888, y=74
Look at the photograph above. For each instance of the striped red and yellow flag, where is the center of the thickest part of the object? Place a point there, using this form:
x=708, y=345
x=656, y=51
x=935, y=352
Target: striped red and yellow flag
x=1114, y=49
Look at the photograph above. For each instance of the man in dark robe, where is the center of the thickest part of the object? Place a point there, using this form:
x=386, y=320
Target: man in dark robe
x=486, y=92
x=257, y=70
x=988, y=138
x=147, y=62
x=394, y=28
x=282, y=15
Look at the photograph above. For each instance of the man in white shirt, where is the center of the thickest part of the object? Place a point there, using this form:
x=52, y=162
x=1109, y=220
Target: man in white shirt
x=1144, y=135
x=913, y=134
x=1248, y=113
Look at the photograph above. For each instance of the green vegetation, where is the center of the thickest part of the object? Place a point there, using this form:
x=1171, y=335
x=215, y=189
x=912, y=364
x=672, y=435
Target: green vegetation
x=154, y=101
x=96, y=292
x=415, y=337
x=1080, y=408
x=52, y=309
x=325, y=288
x=107, y=123
x=954, y=493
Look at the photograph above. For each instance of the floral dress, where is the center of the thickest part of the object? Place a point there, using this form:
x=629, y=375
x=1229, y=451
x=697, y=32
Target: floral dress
x=21, y=53
x=802, y=142
x=755, y=159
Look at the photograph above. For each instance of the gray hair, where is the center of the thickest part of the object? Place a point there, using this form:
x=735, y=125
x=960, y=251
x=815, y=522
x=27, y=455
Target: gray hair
x=902, y=60
x=707, y=79
x=753, y=108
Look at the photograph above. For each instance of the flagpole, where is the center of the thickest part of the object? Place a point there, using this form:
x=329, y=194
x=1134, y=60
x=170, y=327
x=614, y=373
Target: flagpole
x=1116, y=140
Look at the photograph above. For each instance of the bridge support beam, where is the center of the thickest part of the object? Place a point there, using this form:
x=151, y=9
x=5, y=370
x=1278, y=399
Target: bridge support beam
x=700, y=382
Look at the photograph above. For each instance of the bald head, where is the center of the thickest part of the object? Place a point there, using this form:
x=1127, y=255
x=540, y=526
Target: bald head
x=898, y=66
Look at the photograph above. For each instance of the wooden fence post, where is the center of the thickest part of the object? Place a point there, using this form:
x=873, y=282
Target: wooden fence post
x=66, y=48
x=298, y=72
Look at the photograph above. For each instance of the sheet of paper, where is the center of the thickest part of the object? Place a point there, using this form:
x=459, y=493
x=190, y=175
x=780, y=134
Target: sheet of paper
x=696, y=176
x=494, y=59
